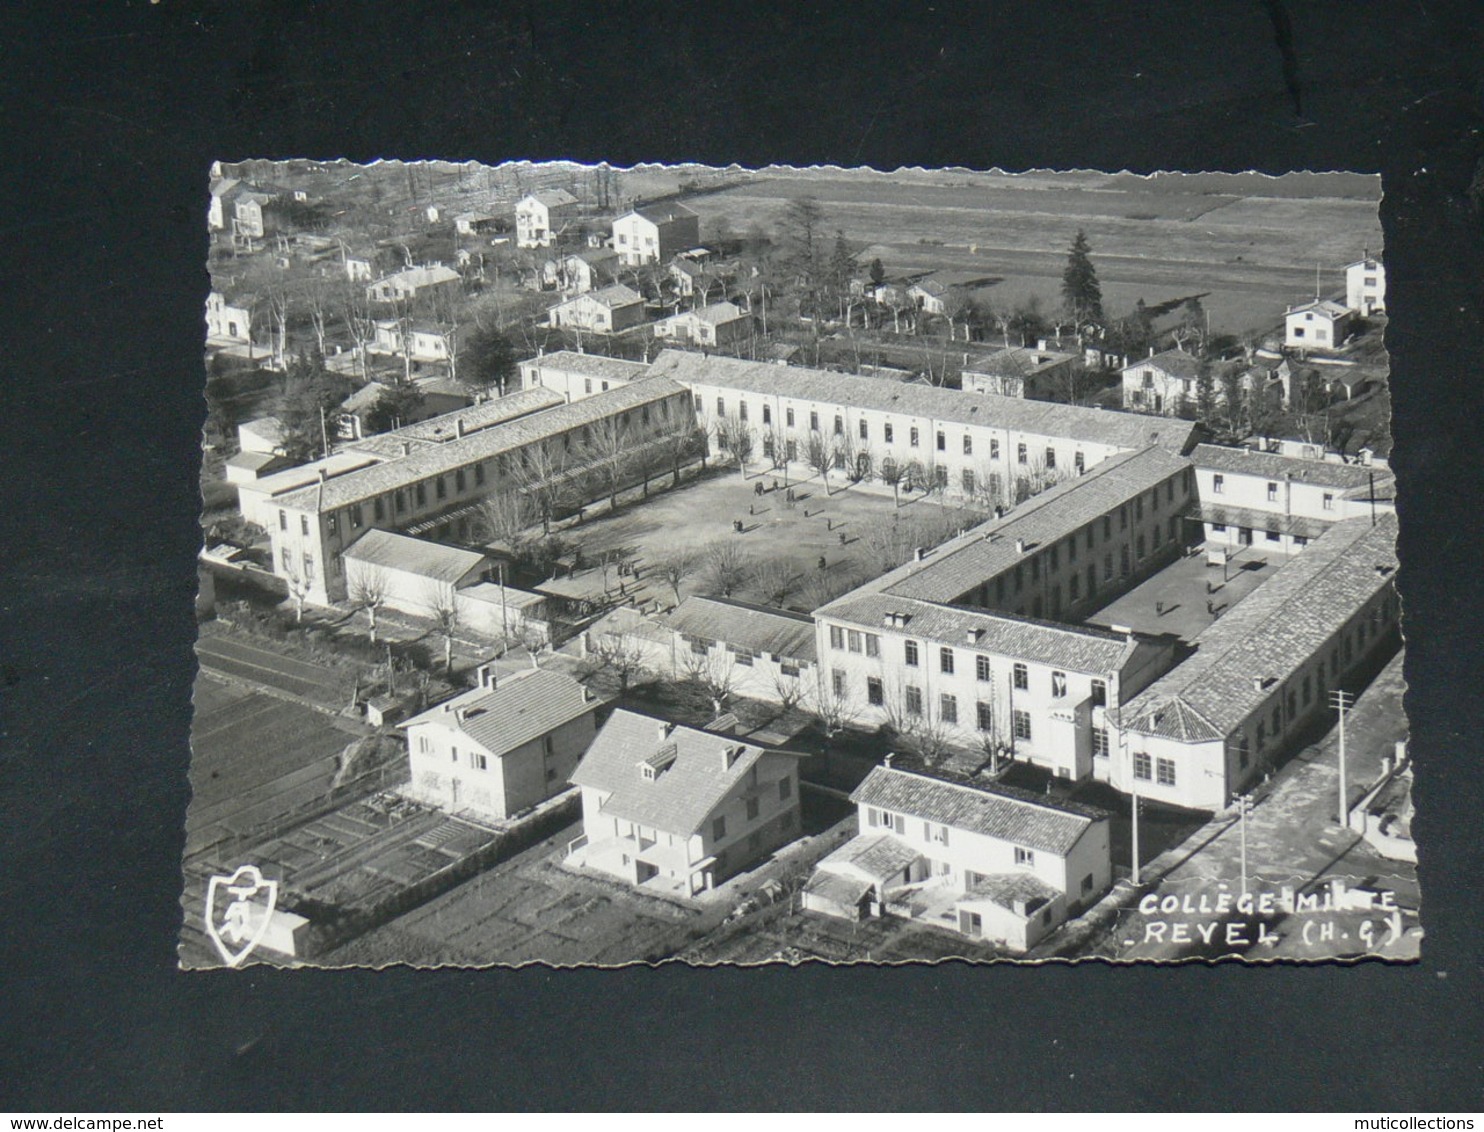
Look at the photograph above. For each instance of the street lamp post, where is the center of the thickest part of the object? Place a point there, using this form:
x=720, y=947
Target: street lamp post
x=1244, y=803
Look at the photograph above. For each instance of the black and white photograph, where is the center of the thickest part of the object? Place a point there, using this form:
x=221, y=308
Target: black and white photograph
x=614, y=564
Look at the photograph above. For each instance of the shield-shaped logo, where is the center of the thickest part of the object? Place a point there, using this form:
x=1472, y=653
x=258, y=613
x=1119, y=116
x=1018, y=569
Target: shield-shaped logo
x=238, y=909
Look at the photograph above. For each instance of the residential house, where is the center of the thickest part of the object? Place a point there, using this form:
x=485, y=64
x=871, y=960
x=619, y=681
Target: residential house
x=474, y=223
x=1262, y=672
x=424, y=342
x=227, y=323
x=261, y=434
x=1018, y=371
x=351, y=416
x=699, y=273
x=655, y=232
x=413, y=575
x=586, y=270
x=680, y=810
x=1365, y=286
x=576, y=375
x=254, y=215
x=422, y=283
x=990, y=862
x=502, y=747
x=541, y=216
x=607, y=310
x=1320, y=325
x=1162, y=383
x=720, y=324
x=1277, y=503
x=934, y=292
x=221, y=210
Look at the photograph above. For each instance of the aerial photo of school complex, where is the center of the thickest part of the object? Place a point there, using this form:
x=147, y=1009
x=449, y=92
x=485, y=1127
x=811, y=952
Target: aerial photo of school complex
x=767, y=566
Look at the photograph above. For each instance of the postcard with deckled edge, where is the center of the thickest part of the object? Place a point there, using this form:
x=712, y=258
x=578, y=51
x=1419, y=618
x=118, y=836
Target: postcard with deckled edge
x=611, y=566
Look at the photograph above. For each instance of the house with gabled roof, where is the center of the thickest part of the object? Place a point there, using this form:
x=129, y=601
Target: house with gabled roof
x=989, y=861
x=540, y=216
x=719, y=324
x=415, y=283
x=680, y=810
x=1262, y=672
x=1162, y=383
x=1365, y=286
x=655, y=232
x=607, y=310
x=576, y=375
x=1320, y=325
x=502, y=747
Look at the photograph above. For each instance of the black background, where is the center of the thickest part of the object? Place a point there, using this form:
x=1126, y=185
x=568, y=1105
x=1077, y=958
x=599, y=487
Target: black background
x=112, y=113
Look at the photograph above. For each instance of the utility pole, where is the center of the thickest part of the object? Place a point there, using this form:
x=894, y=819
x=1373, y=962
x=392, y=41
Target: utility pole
x=1133, y=790
x=1342, y=701
x=1244, y=803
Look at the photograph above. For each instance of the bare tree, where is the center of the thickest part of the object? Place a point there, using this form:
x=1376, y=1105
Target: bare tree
x=774, y=580
x=742, y=441
x=790, y=691
x=445, y=614
x=367, y=586
x=714, y=674
x=503, y=517
x=890, y=472
x=680, y=446
x=621, y=658
x=727, y=566
x=609, y=451
x=542, y=472
x=835, y=712
x=681, y=565
x=819, y=455
x=298, y=590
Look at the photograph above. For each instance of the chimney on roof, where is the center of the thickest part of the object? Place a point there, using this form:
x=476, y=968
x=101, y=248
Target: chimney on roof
x=665, y=727
x=1258, y=683
x=886, y=762
x=919, y=553
x=458, y=425
x=730, y=754
x=973, y=635
x=324, y=474
x=1020, y=546
x=486, y=674
x=406, y=447
x=1151, y=351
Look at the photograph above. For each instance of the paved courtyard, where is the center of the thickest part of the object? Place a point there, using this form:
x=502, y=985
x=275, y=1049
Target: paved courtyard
x=1175, y=600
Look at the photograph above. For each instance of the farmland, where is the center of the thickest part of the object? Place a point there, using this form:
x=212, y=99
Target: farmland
x=1251, y=243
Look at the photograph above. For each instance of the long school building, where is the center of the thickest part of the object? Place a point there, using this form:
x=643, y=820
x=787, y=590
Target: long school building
x=967, y=443
x=311, y=525
x=1262, y=672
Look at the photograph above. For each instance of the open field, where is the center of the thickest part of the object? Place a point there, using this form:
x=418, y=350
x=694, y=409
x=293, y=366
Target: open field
x=255, y=758
x=1253, y=247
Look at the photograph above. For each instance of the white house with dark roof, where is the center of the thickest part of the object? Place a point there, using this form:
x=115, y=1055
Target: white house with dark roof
x=1365, y=286
x=413, y=574
x=1262, y=671
x=655, y=232
x=681, y=810
x=504, y=746
x=719, y=324
x=415, y=283
x=1019, y=371
x=540, y=217
x=987, y=861
x=227, y=324
x=607, y=310
x=1320, y=325
x=1161, y=383
x=1272, y=502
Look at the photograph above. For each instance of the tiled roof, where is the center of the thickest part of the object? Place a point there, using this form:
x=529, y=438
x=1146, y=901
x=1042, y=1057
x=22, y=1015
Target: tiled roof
x=836, y=888
x=434, y=459
x=420, y=276
x=445, y=427
x=1176, y=363
x=1016, y=361
x=1013, y=816
x=521, y=707
x=662, y=213
x=1270, y=465
x=950, y=406
x=364, y=397
x=1011, y=889
x=551, y=198
x=747, y=626
x=496, y=594
x=988, y=550
x=614, y=295
x=678, y=801
x=1074, y=648
x=1269, y=634
x=1326, y=307
x=251, y=460
x=720, y=312
x=879, y=855
x=413, y=556
x=293, y=483
x=590, y=365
